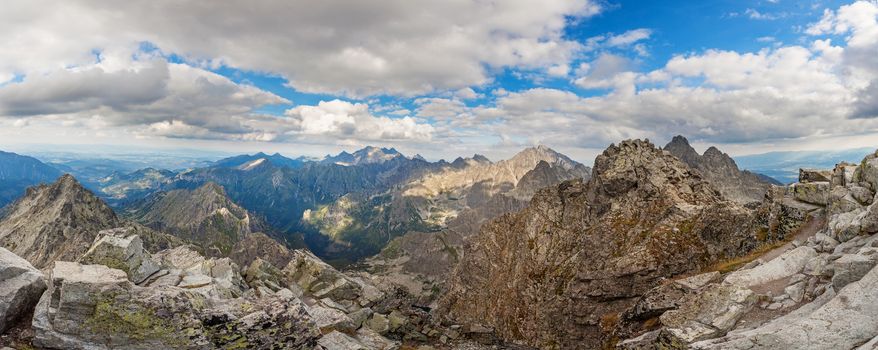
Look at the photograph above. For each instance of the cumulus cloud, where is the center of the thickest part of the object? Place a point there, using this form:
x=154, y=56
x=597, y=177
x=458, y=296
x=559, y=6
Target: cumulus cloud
x=352, y=121
x=356, y=49
x=629, y=37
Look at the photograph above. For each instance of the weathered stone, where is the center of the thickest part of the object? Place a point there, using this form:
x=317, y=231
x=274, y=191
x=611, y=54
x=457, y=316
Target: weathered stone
x=863, y=195
x=869, y=220
x=847, y=320
x=379, y=323
x=329, y=319
x=867, y=172
x=182, y=258
x=646, y=341
x=841, y=200
x=843, y=174
x=360, y=316
x=850, y=268
x=814, y=175
x=796, y=291
x=317, y=278
x=338, y=340
x=824, y=243
x=786, y=265
x=121, y=249
x=96, y=307
x=709, y=313
x=373, y=340
x=263, y=273
x=396, y=320
x=845, y=226
x=811, y=192
x=699, y=281
x=20, y=288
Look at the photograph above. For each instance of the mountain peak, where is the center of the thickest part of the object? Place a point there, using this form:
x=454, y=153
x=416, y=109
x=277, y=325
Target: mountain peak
x=55, y=222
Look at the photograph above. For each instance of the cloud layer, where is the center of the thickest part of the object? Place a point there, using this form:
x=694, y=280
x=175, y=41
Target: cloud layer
x=421, y=74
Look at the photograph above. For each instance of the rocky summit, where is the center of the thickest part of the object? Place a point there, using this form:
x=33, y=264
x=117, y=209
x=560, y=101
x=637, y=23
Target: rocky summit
x=52, y=222
x=717, y=167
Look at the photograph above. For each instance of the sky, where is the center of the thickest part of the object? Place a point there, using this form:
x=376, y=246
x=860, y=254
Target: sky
x=440, y=79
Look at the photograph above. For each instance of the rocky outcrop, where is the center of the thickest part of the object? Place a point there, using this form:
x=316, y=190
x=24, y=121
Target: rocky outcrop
x=258, y=245
x=55, y=222
x=96, y=307
x=204, y=216
x=20, y=288
x=583, y=252
x=120, y=249
x=721, y=171
x=815, y=293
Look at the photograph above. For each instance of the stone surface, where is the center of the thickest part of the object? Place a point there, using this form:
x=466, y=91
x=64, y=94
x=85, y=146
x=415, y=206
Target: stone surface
x=851, y=267
x=814, y=175
x=812, y=192
x=707, y=314
x=845, y=321
x=119, y=249
x=785, y=265
x=317, y=278
x=96, y=307
x=21, y=286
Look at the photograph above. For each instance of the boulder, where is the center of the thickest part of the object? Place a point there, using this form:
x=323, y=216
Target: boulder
x=867, y=172
x=845, y=226
x=841, y=200
x=708, y=314
x=862, y=195
x=317, y=278
x=329, y=319
x=843, y=174
x=814, y=175
x=262, y=274
x=869, y=219
x=785, y=265
x=845, y=321
x=97, y=307
x=119, y=249
x=811, y=192
x=21, y=286
x=851, y=267
x=338, y=340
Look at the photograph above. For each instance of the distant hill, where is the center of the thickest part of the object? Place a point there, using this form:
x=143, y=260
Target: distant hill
x=784, y=166
x=18, y=172
x=366, y=155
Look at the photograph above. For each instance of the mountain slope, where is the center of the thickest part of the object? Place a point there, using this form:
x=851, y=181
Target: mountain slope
x=722, y=172
x=582, y=252
x=366, y=155
x=277, y=159
x=55, y=222
x=204, y=216
x=361, y=224
x=19, y=172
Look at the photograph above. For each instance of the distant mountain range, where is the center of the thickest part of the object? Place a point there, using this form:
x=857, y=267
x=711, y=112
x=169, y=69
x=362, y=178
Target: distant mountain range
x=19, y=172
x=784, y=166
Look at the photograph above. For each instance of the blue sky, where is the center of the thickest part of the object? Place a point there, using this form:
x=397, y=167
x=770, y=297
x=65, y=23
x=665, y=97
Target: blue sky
x=442, y=80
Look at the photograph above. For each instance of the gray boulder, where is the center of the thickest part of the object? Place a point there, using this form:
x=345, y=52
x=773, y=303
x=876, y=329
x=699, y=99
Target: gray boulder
x=96, y=307
x=814, y=175
x=118, y=248
x=708, y=314
x=811, y=192
x=20, y=288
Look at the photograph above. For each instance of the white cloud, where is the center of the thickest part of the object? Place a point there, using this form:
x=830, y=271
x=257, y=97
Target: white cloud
x=395, y=47
x=348, y=121
x=629, y=37
x=754, y=14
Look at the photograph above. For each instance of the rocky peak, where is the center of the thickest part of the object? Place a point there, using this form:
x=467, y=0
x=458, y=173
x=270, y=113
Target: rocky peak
x=365, y=155
x=205, y=216
x=721, y=171
x=56, y=221
x=593, y=247
x=637, y=166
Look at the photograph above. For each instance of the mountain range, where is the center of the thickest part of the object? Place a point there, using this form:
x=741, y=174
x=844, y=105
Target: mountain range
x=653, y=248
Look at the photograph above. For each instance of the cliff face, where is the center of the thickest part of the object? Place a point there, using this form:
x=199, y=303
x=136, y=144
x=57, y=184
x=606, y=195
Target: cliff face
x=54, y=222
x=722, y=172
x=558, y=273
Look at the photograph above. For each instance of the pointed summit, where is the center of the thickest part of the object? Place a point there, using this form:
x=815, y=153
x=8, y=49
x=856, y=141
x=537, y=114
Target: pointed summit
x=721, y=170
x=365, y=155
x=55, y=222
